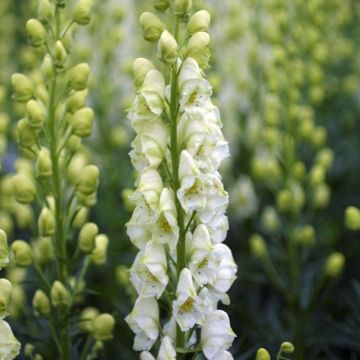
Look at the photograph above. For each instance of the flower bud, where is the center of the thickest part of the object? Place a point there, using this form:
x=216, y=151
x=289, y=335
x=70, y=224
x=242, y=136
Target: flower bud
x=98, y=256
x=82, y=122
x=35, y=32
x=76, y=100
x=47, y=67
x=88, y=180
x=81, y=217
x=4, y=123
x=334, y=264
x=284, y=200
x=299, y=170
x=43, y=166
x=78, y=76
x=198, y=49
x=103, y=327
x=182, y=8
x=59, y=295
x=321, y=196
x=4, y=251
x=199, y=22
x=258, y=246
x=22, y=87
x=287, y=347
x=45, y=11
x=141, y=68
x=38, y=357
x=86, y=200
x=325, y=158
x=59, y=55
x=304, y=235
x=22, y=253
x=41, y=303
x=24, y=189
x=167, y=48
x=43, y=250
x=5, y=292
x=82, y=12
x=317, y=175
x=35, y=113
x=29, y=350
x=26, y=134
x=86, y=319
x=87, y=237
x=270, y=220
x=262, y=354
x=352, y=218
x=152, y=26
x=122, y=275
x=161, y=5
x=46, y=222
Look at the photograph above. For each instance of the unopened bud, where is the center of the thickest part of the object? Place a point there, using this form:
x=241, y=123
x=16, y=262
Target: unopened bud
x=4, y=251
x=26, y=134
x=60, y=296
x=317, y=175
x=35, y=113
x=262, y=354
x=28, y=350
x=352, y=218
x=5, y=292
x=81, y=217
x=22, y=253
x=43, y=250
x=87, y=237
x=35, y=32
x=86, y=319
x=82, y=12
x=46, y=222
x=88, y=180
x=41, y=303
x=284, y=200
x=305, y=235
x=152, y=26
x=287, y=347
x=182, y=8
x=141, y=68
x=199, y=22
x=321, y=196
x=59, y=55
x=325, y=158
x=22, y=87
x=43, y=167
x=38, y=357
x=45, y=11
x=270, y=220
x=103, y=327
x=161, y=5
x=167, y=48
x=24, y=189
x=334, y=264
x=198, y=49
x=82, y=122
x=258, y=246
x=98, y=256
x=47, y=67
x=4, y=123
x=78, y=76
x=77, y=100
x=299, y=170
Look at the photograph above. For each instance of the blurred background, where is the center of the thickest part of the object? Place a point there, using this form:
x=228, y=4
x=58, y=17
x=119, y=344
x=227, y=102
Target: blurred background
x=286, y=76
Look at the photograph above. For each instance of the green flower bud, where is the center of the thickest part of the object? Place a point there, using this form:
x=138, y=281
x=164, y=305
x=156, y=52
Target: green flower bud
x=287, y=347
x=43, y=250
x=199, y=22
x=270, y=220
x=299, y=170
x=122, y=275
x=161, y=5
x=38, y=357
x=35, y=32
x=78, y=76
x=88, y=180
x=141, y=68
x=5, y=292
x=98, y=256
x=319, y=136
x=334, y=264
x=321, y=196
x=59, y=55
x=126, y=198
x=182, y=8
x=304, y=235
x=119, y=136
x=4, y=123
x=22, y=87
x=26, y=134
x=41, y=303
x=81, y=217
x=198, y=49
x=68, y=41
x=6, y=223
x=262, y=354
x=24, y=189
x=352, y=218
x=45, y=11
x=86, y=319
x=82, y=12
x=317, y=175
x=325, y=158
x=74, y=142
x=28, y=350
x=82, y=122
x=152, y=26
x=59, y=295
x=35, y=113
x=77, y=100
x=4, y=251
x=86, y=200
x=46, y=222
x=43, y=166
x=284, y=200
x=22, y=253
x=103, y=327
x=47, y=67
x=23, y=214
x=167, y=48
x=87, y=237
x=258, y=246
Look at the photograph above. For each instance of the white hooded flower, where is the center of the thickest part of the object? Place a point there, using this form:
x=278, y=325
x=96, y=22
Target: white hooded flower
x=145, y=355
x=165, y=229
x=9, y=346
x=170, y=329
x=203, y=262
x=188, y=307
x=216, y=335
x=149, y=271
x=166, y=351
x=218, y=228
x=149, y=102
x=223, y=355
x=144, y=322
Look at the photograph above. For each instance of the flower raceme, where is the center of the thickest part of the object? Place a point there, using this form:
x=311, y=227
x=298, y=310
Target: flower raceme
x=179, y=221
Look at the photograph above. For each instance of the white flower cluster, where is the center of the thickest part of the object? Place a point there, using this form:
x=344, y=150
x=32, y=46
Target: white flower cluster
x=9, y=346
x=192, y=292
